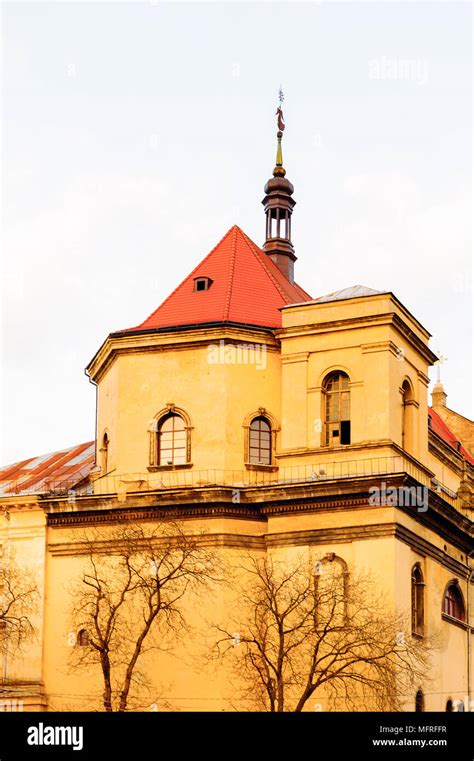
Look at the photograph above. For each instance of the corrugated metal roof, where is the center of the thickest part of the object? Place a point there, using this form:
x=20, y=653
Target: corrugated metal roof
x=353, y=292
x=55, y=471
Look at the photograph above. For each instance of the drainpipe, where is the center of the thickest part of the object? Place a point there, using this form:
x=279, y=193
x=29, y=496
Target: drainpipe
x=469, y=579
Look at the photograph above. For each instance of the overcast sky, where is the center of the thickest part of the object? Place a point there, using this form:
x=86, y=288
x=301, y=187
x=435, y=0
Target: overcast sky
x=136, y=134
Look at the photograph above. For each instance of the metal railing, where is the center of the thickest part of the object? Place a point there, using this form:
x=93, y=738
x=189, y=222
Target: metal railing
x=292, y=474
x=312, y=473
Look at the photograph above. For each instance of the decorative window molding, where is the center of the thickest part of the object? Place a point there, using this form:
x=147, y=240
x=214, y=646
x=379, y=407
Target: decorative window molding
x=175, y=424
x=255, y=433
x=331, y=557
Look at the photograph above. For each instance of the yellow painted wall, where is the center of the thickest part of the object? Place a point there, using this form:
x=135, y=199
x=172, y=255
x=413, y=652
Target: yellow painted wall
x=138, y=376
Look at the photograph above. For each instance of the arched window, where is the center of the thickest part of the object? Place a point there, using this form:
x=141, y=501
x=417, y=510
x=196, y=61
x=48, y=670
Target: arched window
x=260, y=441
x=331, y=591
x=172, y=438
x=459, y=706
x=407, y=416
x=104, y=452
x=83, y=639
x=336, y=413
x=419, y=702
x=449, y=706
x=453, y=603
x=417, y=601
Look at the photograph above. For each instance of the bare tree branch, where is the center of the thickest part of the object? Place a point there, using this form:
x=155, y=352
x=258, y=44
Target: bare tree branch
x=329, y=634
x=130, y=599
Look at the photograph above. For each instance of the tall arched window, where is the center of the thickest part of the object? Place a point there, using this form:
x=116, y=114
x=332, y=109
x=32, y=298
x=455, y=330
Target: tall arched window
x=449, y=706
x=336, y=414
x=172, y=440
x=260, y=441
x=104, y=453
x=453, y=602
x=331, y=591
x=417, y=601
x=419, y=702
x=407, y=416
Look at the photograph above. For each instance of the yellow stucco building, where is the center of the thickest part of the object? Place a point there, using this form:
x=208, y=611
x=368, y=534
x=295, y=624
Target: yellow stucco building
x=268, y=422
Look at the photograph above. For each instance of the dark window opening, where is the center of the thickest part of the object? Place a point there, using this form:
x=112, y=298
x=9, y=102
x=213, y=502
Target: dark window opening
x=419, y=702
x=83, y=639
x=417, y=601
x=202, y=283
x=453, y=603
x=345, y=431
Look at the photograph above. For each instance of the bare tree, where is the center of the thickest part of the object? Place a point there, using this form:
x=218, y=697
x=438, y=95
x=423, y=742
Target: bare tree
x=18, y=603
x=318, y=631
x=130, y=600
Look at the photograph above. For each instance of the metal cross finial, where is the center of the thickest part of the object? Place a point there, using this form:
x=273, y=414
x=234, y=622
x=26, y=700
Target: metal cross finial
x=440, y=361
x=281, y=97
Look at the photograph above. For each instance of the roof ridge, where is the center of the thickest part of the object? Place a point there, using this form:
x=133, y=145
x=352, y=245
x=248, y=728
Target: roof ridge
x=257, y=251
x=230, y=279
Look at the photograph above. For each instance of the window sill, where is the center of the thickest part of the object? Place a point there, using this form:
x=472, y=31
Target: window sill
x=183, y=466
x=255, y=466
x=455, y=621
x=417, y=635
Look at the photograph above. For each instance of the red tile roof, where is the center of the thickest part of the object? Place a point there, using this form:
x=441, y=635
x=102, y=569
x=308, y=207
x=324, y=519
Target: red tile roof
x=247, y=288
x=441, y=429
x=50, y=472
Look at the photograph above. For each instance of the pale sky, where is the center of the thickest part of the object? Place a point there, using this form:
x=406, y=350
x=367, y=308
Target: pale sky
x=135, y=134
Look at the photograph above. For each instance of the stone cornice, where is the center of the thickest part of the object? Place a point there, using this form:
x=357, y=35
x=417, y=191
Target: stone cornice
x=261, y=503
x=187, y=337
x=445, y=452
x=344, y=534
x=327, y=535
x=350, y=323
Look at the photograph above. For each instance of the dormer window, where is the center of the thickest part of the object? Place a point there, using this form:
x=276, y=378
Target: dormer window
x=202, y=283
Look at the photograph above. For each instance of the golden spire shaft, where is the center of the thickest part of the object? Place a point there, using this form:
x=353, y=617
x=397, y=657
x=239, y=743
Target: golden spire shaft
x=279, y=158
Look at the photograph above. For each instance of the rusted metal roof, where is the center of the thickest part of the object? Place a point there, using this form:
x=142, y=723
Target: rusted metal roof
x=56, y=471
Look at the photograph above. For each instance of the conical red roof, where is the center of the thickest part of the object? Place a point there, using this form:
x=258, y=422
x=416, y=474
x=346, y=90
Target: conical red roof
x=247, y=287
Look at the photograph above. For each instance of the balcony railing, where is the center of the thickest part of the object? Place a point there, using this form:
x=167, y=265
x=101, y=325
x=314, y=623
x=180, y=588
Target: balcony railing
x=313, y=473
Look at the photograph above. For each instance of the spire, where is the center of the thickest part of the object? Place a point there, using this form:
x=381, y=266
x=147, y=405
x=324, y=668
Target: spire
x=278, y=205
x=438, y=395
